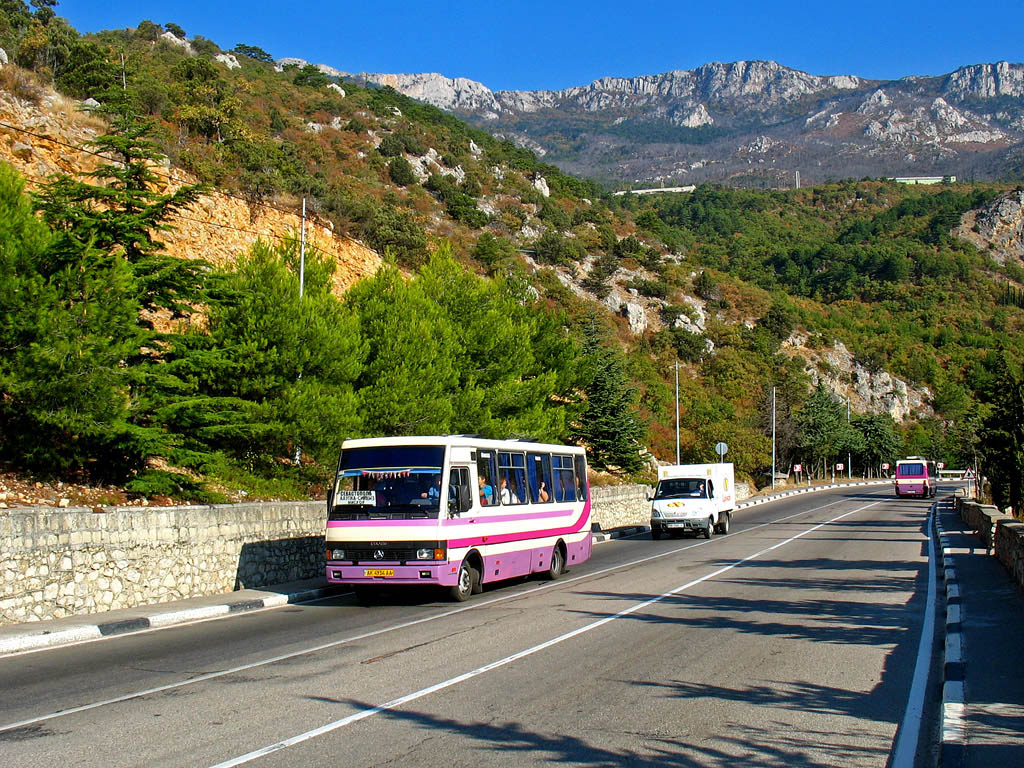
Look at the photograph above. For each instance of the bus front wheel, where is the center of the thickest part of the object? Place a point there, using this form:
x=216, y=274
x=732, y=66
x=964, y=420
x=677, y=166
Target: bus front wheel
x=469, y=577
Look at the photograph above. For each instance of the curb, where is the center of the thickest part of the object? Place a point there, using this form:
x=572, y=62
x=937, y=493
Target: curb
x=31, y=642
x=798, y=491
x=602, y=536
x=953, y=742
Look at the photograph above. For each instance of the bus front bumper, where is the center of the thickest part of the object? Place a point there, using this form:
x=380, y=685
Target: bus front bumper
x=382, y=574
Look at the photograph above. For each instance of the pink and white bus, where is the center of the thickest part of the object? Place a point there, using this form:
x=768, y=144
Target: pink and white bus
x=915, y=476
x=456, y=511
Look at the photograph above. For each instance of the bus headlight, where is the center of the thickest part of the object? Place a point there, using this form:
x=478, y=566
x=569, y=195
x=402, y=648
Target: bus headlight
x=335, y=554
x=424, y=554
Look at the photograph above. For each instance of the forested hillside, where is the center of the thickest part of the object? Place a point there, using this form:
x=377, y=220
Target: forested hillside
x=503, y=306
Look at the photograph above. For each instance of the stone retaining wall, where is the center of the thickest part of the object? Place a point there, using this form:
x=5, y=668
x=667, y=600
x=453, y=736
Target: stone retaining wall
x=1001, y=534
x=64, y=562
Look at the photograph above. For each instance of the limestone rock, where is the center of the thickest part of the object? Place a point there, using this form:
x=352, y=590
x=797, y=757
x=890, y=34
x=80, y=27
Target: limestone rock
x=636, y=315
x=228, y=60
x=541, y=185
x=173, y=39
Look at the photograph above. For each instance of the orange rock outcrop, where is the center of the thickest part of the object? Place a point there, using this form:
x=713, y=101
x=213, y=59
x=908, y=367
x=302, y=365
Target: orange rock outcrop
x=46, y=138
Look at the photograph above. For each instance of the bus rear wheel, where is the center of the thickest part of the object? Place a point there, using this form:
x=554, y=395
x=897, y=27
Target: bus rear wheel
x=469, y=577
x=556, y=566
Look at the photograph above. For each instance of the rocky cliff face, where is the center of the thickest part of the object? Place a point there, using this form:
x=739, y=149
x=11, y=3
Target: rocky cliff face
x=217, y=228
x=866, y=391
x=998, y=228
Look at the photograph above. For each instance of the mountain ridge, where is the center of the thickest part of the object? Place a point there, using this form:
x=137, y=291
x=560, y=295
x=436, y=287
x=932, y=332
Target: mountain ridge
x=752, y=123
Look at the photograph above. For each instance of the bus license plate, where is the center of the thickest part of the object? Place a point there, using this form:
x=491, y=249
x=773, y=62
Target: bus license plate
x=378, y=573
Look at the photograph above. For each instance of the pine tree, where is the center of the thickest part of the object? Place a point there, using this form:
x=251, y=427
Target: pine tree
x=1002, y=438
x=274, y=371
x=608, y=425
x=105, y=244
x=67, y=324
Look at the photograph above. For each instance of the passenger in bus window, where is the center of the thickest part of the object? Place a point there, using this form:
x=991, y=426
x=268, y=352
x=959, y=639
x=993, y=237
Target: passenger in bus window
x=542, y=492
x=507, y=496
x=486, y=492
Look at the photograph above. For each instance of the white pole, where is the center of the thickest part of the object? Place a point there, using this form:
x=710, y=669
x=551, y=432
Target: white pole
x=677, y=411
x=302, y=250
x=302, y=281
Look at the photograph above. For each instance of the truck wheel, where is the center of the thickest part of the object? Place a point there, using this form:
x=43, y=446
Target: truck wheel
x=710, y=530
x=723, y=525
x=655, y=533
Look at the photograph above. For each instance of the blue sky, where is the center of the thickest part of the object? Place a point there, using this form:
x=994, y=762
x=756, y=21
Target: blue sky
x=557, y=44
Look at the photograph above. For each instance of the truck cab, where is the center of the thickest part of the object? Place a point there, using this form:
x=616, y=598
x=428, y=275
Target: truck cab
x=693, y=498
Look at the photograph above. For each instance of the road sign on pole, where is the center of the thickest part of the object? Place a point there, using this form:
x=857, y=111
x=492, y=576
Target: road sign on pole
x=721, y=449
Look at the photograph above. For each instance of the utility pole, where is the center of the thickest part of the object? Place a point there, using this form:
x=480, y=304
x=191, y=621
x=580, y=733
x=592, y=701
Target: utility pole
x=677, y=411
x=773, y=438
x=849, y=456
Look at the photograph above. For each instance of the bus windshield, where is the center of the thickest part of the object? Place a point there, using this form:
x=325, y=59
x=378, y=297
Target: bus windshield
x=910, y=469
x=401, y=481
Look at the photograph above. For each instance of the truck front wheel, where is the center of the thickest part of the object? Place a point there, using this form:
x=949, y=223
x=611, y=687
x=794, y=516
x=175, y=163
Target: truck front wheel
x=655, y=533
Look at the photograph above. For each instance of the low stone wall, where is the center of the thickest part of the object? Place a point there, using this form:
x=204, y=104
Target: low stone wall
x=1001, y=534
x=615, y=506
x=64, y=562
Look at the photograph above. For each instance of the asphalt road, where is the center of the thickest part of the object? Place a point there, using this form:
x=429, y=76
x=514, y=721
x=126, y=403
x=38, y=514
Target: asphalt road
x=792, y=641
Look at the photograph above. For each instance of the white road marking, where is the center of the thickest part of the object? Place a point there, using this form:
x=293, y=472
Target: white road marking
x=394, y=703
x=910, y=726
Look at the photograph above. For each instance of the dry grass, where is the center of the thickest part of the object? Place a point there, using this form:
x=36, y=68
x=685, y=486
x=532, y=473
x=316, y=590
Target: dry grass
x=21, y=84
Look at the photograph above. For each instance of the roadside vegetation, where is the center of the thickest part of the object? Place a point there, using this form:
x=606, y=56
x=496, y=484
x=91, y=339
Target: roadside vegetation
x=123, y=364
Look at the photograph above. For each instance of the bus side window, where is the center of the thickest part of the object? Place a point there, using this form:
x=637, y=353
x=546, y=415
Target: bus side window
x=487, y=478
x=538, y=471
x=512, y=477
x=581, y=477
x=565, y=483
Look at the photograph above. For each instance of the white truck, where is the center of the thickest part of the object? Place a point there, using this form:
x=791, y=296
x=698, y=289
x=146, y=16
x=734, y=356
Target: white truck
x=693, y=498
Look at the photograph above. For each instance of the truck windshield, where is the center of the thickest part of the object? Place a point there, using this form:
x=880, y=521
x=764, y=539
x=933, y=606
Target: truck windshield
x=388, y=482
x=676, y=488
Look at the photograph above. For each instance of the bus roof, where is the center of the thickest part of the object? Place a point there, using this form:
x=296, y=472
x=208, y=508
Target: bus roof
x=471, y=441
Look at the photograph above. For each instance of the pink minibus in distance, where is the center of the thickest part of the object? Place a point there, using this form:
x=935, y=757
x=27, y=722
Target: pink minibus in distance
x=915, y=476
x=455, y=511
